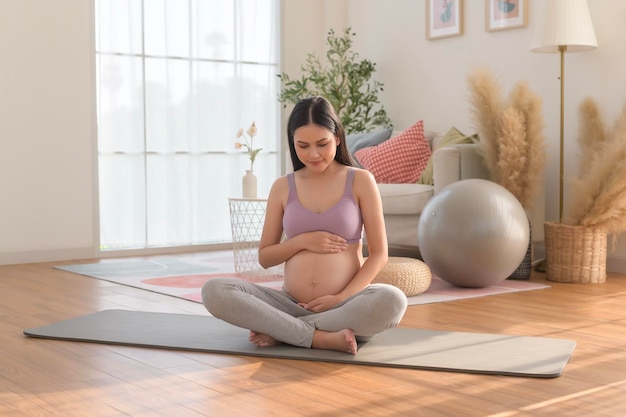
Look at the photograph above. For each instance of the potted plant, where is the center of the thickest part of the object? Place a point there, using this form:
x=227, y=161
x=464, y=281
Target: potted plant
x=577, y=247
x=345, y=80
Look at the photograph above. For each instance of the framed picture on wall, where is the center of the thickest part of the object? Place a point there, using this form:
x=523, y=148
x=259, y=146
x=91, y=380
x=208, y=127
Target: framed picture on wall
x=444, y=18
x=505, y=14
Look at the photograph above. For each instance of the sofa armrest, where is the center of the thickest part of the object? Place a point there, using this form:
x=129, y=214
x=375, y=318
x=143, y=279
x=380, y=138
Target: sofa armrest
x=457, y=162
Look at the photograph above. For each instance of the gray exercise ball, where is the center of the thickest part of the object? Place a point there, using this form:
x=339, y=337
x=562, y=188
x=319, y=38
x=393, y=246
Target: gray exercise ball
x=473, y=233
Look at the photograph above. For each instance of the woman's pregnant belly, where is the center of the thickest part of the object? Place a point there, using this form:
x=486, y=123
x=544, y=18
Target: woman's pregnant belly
x=309, y=275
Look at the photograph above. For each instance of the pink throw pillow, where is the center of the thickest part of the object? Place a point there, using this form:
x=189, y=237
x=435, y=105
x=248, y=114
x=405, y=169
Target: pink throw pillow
x=399, y=160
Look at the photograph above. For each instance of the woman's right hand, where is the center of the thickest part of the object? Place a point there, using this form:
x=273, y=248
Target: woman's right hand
x=323, y=242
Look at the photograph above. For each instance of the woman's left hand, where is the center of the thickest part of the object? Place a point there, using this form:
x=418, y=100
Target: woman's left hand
x=323, y=303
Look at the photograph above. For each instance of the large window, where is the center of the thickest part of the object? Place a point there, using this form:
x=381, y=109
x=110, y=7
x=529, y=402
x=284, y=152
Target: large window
x=176, y=79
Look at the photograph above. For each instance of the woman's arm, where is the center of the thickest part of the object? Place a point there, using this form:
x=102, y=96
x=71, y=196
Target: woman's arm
x=371, y=206
x=271, y=251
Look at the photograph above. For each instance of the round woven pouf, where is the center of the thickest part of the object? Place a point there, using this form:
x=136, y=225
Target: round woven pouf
x=411, y=275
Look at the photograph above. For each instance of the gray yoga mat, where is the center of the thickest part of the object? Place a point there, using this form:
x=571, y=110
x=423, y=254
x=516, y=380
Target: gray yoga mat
x=400, y=347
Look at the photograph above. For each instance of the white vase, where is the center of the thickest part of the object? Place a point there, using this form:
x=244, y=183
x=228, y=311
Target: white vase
x=248, y=184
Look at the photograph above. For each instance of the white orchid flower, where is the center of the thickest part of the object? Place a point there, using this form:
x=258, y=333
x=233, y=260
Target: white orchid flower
x=252, y=130
x=247, y=144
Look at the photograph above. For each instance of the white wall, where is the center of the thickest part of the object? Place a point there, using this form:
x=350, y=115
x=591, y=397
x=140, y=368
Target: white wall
x=47, y=100
x=47, y=104
x=304, y=27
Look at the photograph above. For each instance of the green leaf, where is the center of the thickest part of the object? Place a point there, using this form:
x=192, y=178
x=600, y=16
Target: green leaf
x=344, y=80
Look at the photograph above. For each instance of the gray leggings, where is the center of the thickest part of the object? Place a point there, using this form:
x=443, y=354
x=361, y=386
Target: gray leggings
x=273, y=312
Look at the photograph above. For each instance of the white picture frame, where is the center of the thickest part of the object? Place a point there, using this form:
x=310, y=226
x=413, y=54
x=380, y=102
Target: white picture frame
x=444, y=18
x=505, y=14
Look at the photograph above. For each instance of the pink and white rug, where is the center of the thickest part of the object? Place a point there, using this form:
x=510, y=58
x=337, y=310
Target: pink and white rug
x=183, y=275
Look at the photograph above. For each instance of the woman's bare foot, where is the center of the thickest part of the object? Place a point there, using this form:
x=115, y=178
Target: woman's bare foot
x=342, y=341
x=261, y=340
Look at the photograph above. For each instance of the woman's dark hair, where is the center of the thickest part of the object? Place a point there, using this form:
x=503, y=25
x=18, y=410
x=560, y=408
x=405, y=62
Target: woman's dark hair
x=319, y=111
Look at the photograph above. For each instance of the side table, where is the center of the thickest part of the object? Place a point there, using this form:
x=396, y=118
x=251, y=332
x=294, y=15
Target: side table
x=247, y=216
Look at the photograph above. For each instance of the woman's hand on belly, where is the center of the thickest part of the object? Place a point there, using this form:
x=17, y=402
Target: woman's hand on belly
x=319, y=304
x=323, y=242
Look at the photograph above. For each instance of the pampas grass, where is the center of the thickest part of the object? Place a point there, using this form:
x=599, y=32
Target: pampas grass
x=591, y=134
x=510, y=159
x=599, y=194
x=484, y=107
x=511, y=134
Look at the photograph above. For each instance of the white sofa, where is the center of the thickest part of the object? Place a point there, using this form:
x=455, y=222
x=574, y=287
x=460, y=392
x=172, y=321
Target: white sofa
x=403, y=203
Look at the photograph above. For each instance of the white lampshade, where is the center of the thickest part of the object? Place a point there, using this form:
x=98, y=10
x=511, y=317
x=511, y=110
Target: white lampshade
x=567, y=23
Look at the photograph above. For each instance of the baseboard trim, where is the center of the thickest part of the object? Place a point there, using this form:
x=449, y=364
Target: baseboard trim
x=52, y=255
x=75, y=254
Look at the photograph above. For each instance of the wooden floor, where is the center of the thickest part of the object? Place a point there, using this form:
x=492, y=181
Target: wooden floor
x=55, y=378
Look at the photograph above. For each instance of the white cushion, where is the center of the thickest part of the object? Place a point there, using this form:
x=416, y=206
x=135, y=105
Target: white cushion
x=405, y=198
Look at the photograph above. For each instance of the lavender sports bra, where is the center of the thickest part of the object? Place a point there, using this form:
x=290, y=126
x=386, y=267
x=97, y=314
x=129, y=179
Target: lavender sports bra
x=342, y=219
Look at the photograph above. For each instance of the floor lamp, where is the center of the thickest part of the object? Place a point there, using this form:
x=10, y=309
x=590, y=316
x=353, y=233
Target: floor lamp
x=567, y=28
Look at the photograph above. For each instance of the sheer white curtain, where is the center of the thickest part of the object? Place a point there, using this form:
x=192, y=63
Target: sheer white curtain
x=176, y=79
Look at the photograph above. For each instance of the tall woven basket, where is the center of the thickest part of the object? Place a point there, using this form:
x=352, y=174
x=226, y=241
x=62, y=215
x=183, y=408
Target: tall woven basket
x=575, y=253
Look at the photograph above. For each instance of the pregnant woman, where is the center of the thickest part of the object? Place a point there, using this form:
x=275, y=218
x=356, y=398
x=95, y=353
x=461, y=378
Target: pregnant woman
x=327, y=301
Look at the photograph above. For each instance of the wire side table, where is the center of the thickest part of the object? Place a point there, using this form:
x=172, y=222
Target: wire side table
x=247, y=216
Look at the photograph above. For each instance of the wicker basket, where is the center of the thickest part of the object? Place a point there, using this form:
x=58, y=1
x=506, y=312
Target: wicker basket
x=412, y=276
x=575, y=253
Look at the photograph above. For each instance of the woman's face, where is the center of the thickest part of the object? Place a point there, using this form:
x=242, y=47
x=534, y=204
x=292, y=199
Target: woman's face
x=315, y=146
